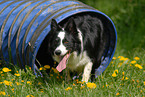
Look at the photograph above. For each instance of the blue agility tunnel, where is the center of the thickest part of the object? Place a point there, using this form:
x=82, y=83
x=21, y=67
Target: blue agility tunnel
x=24, y=24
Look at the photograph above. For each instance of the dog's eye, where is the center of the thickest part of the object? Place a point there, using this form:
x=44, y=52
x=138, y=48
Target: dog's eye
x=66, y=42
x=57, y=40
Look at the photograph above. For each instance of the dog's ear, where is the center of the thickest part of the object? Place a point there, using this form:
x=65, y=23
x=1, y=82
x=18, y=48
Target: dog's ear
x=54, y=25
x=71, y=26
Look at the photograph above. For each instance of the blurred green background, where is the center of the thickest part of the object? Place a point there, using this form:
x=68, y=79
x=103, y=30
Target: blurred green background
x=129, y=19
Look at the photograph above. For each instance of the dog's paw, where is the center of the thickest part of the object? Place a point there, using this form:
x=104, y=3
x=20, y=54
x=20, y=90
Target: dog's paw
x=85, y=79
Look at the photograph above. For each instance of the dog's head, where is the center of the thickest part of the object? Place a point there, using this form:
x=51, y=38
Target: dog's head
x=63, y=40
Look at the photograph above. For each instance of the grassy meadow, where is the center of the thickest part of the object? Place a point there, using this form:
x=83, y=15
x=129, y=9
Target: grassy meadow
x=125, y=75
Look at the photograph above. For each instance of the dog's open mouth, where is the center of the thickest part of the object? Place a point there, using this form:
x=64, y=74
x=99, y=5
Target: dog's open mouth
x=62, y=64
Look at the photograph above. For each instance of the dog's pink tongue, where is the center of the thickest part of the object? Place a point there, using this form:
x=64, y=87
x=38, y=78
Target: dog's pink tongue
x=62, y=64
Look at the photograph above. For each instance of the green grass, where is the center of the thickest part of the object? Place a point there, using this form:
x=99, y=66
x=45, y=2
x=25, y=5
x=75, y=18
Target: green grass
x=131, y=83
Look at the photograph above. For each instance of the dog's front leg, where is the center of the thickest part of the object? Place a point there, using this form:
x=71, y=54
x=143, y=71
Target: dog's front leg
x=87, y=71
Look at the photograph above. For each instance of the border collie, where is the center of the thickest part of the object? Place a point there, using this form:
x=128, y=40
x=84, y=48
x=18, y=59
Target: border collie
x=77, y=44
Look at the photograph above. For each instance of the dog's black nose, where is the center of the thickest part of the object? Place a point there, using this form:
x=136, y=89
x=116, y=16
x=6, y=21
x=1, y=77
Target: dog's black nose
x=57, y=52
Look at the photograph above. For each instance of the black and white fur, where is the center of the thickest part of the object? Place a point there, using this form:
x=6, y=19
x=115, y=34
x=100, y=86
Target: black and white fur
x=83, y=37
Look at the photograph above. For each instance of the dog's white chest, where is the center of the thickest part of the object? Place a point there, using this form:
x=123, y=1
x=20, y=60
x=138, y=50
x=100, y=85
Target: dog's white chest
x=77, y=62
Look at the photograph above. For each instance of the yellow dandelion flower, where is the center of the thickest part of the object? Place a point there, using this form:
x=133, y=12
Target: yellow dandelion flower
x=144, y=83
x=22, y=80
x=30, y=68
x=107, y=85
x=91, y=85
x=13, y=89
x=57, y=77
x=29, y=96
x=141, y=91
x=55, y=70
x=114, y=58
x=114, y=74
x=126, y=78
x=125, y=59
x=123, y=73
x=2, y=93
x=44, y=68
x=1, y=72
x=69, y=88
x=120, y=57
x=139, y=66
x=136, y=58
x=8, y=83
x=41, y=90
x=28, y=82
x=74, y=84
x=5, y=69
x=82, y=87
x=39, y=83
x=47, y=66
x=17, y=74
x=116, y=71
x=133, y=62
x=41, y=68
x=77, y=80
x=122, y=78
x=83, y=82
x=117, y=94
x=18, y=83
